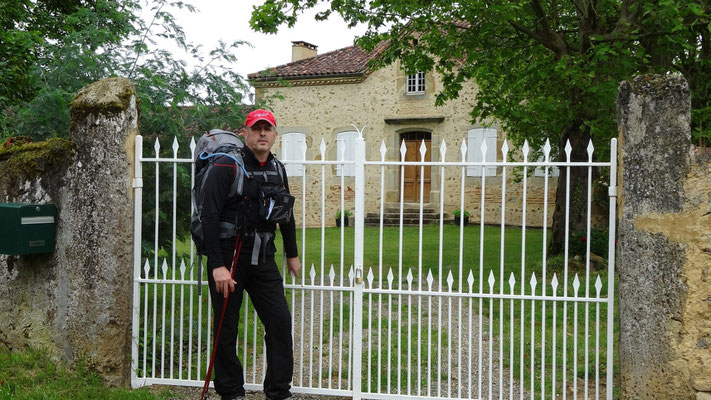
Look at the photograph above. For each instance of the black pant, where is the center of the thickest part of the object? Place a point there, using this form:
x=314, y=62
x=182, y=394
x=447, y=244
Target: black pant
x=265, y=287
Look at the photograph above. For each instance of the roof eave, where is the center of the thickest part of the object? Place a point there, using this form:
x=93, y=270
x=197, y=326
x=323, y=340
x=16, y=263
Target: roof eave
x=309, y=76
x=309, y=80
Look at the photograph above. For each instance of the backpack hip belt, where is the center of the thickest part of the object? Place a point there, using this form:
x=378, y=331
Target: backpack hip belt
x=228, y=230
x=261, y=240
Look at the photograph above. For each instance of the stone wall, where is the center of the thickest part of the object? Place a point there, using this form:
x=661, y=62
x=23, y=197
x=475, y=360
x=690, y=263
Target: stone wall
x=76, y=302
x=664, y=250
x=322, y=110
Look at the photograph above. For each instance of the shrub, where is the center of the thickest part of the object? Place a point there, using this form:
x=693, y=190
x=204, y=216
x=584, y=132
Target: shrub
x=598, y=242
x=458, y=212
x=346, y=213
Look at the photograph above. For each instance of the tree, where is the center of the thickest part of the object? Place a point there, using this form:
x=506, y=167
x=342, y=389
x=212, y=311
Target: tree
x=51, y=49
x=546, y=69
x=95, y=39
x=24, y=27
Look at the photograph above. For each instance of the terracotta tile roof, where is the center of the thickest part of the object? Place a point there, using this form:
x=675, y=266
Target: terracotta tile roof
x=351, y=60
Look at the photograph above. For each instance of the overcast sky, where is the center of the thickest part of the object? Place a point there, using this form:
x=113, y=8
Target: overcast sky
x=228, y=20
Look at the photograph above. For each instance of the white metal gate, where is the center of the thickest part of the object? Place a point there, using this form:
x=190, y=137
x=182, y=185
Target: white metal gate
x=418, y=329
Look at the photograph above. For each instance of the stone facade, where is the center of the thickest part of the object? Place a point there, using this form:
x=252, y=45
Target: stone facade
x=75, y=303
x=664, y=251
x=322, y=107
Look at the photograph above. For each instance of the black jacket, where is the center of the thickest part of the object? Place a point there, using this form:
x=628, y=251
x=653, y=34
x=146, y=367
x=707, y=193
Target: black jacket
x=218, y=207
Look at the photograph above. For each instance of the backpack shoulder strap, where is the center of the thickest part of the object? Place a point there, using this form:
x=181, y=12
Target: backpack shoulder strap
x=234, y=155
x=280, y=169
x=277, y=169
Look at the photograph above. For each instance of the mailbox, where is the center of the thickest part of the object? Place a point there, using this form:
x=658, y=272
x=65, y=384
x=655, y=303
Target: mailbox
x=27, y=228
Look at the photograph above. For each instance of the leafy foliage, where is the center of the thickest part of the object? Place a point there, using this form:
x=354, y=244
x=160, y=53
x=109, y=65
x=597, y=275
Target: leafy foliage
x=54, y=50
x=345, y=213
x=542, y=66
x=457, y=213
x=545, y=69
x=25, y=26
x=598, y=242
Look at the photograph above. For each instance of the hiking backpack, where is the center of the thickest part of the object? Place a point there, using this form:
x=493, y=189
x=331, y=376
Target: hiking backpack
x=209, y=147
x=275, y=202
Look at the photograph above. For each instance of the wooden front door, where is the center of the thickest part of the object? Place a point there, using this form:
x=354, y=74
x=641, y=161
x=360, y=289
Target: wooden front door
x=413, y=173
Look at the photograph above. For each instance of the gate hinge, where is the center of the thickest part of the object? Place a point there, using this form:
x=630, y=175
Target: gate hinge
x=137, y=182
x=612, y=191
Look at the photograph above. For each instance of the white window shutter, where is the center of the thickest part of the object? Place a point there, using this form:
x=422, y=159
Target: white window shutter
x=291, y=150
x=541, y=171
x=347, y=140
x=474, y=139
x=300, y=154
x=491, y=150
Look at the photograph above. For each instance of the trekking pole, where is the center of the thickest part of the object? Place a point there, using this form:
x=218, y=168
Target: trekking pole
x=233, y=268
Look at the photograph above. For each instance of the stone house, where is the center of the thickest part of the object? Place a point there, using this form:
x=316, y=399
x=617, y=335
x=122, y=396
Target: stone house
x=321, y=96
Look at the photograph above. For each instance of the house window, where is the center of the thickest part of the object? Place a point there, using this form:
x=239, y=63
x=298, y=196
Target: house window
x=292, y=149
x=346, y=140
x=474, y=138
x=416, y=83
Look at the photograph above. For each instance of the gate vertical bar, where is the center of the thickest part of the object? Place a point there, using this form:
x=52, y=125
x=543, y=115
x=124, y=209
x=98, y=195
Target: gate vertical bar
x=359, y=216
x=192, y=265
x=611, y=264
x=172, y=264
x=587, y=268
x=137, y=213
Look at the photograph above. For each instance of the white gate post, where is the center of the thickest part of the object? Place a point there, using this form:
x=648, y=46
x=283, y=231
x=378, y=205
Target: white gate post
x=359, y=216
x=137, y=219
x=612, y=235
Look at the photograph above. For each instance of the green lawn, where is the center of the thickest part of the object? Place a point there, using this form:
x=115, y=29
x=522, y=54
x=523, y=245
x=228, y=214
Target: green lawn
x=430, y=249
x=512, y=261
x=30, y=374
x=495, y=314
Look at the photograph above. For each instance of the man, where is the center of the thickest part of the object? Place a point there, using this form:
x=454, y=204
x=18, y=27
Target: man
x=256, y=270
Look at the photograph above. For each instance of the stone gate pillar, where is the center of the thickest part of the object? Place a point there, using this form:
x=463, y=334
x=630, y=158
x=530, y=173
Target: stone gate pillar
x=98, y=242
x=75, y=303
x=664, y=244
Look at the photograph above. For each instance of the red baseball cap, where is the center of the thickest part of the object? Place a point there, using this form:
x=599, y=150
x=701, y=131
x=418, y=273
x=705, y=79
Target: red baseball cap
x=260, y=115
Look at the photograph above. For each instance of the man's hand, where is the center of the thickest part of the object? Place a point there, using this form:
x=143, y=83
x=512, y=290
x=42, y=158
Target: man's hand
x=223, y=281
x=294, y=265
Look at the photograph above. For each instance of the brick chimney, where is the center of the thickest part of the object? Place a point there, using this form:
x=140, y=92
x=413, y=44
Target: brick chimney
x=301, y=50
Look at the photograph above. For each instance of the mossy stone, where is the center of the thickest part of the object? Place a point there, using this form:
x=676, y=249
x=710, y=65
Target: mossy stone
x=33, y=159
x=108, y=96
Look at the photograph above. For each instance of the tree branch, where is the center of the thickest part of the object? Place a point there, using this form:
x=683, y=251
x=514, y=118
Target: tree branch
x=547, y=42
x=542, y=16
x=549, y=38
x=627, y=18
x=527, y=32
x=143, y=39
x=612, y=37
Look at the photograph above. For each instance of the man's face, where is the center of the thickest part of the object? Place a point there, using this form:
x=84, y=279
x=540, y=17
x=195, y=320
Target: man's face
x=260, y=137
